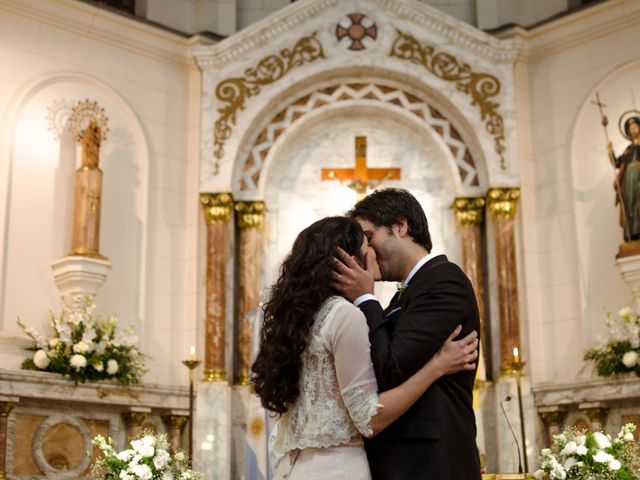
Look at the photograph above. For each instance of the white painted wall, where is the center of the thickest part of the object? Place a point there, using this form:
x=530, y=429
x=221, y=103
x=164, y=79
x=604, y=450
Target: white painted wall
x=144, y=79
x=569, y=221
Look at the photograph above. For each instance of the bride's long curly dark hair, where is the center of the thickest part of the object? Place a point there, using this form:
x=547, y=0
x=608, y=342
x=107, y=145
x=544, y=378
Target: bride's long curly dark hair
x=302, y=287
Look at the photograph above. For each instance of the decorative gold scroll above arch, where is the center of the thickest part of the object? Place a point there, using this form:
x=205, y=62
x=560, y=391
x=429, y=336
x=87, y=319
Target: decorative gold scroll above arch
x=253, y=163
x=479, y=85
x=235, y=91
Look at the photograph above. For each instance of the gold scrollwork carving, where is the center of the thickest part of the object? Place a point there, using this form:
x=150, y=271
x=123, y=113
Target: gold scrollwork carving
x=235, y=91
x=217, y=207
x=469, y=211
x=503, y=202
x=250, y=214
x=479, y=85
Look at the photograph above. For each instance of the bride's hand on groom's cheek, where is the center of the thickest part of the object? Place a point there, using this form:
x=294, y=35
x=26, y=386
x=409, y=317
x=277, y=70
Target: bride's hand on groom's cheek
x=349, y=278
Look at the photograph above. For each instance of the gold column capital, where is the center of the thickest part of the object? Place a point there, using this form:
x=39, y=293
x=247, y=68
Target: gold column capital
x=134, y=419
x=5, y=408
x=250, y=215
x=553, y=418
x=217, y=207
x=595, y=411
x=175, y=421
x=469, y=210
x=503, y=202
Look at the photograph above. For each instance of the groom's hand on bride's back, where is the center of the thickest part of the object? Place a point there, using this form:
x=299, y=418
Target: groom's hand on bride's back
x=349, y=278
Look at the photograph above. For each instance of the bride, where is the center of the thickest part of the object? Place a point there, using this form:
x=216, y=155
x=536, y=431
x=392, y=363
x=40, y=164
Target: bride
x=314, y=367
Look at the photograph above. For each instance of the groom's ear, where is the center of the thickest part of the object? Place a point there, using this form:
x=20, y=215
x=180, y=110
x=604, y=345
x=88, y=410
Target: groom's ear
x=400, y=227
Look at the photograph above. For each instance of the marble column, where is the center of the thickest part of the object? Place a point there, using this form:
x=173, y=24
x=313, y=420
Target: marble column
x=503, y=204
x=174, y=422
x=6, y=405
x=596, y=413
x=470, y=217
x=552, y=418
x=217, y=208
x=250, y=220
x=134, y=419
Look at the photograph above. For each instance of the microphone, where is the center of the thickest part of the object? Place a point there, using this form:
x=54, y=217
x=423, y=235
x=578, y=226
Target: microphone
x=508, y=399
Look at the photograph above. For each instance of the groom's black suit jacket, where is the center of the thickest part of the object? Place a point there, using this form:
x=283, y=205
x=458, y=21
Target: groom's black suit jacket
x=435, y=438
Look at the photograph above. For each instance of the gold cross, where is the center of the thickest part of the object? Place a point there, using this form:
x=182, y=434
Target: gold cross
x=361, y=178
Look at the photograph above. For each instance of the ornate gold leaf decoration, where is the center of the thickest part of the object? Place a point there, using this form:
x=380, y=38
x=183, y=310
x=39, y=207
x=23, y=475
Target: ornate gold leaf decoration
x=479, y=85
x=81, y=116
x=250, y=215
x=503, y=202
x=469, y=211
x=217, y=207
x=235, y=91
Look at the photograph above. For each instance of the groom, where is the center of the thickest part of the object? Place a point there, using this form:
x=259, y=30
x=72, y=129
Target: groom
x=436, y=437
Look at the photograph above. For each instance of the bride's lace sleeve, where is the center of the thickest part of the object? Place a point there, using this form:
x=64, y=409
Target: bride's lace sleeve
x=347, y=337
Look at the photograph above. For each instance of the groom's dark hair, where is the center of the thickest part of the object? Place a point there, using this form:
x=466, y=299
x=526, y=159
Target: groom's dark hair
x=385, y=207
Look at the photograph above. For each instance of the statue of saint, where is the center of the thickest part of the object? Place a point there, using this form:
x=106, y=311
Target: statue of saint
x=628, y=179
x=88, y=191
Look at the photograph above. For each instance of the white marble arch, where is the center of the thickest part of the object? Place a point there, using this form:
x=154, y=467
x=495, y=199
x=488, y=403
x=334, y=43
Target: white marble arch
x=231, y=59
x=37, y=176
x=426, y=111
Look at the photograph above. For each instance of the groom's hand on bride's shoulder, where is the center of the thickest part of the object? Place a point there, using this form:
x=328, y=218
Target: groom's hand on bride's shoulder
x=349, y=278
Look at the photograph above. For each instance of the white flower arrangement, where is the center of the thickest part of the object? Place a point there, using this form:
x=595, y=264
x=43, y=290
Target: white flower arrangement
x=86, y=348
x=620, y=354
x=591, y=456
x=145, y=458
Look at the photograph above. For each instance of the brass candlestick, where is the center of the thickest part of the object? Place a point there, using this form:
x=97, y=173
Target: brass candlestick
x=517, y=367
x=191, y=363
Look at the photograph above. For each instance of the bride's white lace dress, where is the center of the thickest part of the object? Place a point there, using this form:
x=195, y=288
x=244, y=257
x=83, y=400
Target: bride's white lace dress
x=338, y=396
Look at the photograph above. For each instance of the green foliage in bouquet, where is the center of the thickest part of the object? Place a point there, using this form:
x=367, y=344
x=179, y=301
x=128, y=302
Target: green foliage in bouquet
x=85, y=347
x=620, y=353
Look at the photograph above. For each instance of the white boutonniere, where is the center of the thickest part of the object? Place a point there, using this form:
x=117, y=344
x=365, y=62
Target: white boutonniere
x=401, y=288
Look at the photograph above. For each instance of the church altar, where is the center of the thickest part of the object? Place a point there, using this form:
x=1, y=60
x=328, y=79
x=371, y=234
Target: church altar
x=50, y=422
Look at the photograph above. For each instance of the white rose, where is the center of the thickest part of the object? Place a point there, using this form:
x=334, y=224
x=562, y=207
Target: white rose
x=41, y=360
x=614, y=465
x=125, y=476
x=161, y=459
x=570, y=462
x=112, y=367
x=81, y=347
x=628, y=437
x=630, y=359
x=146, y=451
x=75, y=318
x=569, y=448
x=98, y=366
x=125, y=455
x=53, y=343
x=602, y=457
x=136, y=458
x=602, y=440
x=142, y=472
x=581, y=450
x=78, y=361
